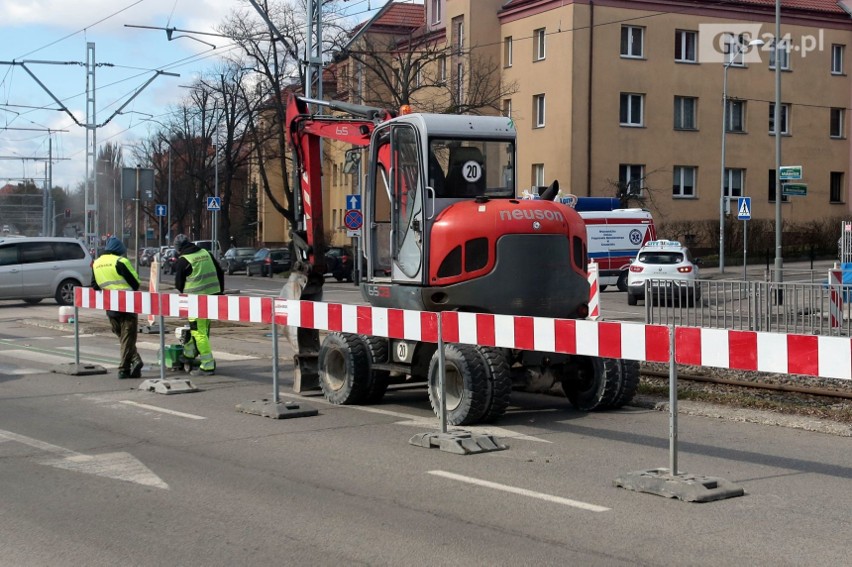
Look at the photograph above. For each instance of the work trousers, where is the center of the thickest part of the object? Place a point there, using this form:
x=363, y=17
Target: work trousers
x=200, y=331
x=125, y=326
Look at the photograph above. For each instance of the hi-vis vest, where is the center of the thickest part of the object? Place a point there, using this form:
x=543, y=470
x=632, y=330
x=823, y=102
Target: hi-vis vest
x=203, y=279
x=106, y=273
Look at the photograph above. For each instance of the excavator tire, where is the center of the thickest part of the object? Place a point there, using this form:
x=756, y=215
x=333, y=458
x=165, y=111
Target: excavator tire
x=628, y=382
x=344, y=369
x=379, y=379
x=499, y=381
x=468, y=394
x=591, y=383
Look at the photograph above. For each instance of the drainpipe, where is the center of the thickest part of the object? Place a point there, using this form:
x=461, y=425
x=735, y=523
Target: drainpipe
x=589, y=100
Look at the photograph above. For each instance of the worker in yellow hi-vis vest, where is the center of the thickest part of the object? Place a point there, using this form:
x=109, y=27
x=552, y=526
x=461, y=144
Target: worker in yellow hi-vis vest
x=198, y=272
x=112, y=270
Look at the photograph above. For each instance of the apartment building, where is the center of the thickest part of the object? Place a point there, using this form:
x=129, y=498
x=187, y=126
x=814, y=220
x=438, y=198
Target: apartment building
x=615, y=96
x=629, y=94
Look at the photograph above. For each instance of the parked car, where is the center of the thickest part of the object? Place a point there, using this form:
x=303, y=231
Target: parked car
x=269, y=261
x=235, y=259
x=338, y=262
x=147, y=256
x=36, y=268
x=667, y=267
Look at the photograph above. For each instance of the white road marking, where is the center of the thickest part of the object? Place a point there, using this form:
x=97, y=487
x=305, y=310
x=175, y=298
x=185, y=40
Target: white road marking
x=521, y=491
x=425, y=423
x=162, y=410
x=118, y=466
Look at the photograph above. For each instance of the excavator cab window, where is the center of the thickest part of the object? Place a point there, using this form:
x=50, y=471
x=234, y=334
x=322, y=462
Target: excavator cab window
x=464, y=169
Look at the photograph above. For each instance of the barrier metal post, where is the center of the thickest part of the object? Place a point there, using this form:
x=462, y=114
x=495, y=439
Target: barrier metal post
x=672, y=403
x=670, y=482
x=76, y=335
x=457, y=442
x=442, y=375
x=274, y=408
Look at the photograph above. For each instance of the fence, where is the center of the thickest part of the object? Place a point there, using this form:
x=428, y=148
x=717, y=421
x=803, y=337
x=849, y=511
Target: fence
x=786, y=307
x=829, y=357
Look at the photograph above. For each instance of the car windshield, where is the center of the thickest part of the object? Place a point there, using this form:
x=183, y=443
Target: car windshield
x=661, y=257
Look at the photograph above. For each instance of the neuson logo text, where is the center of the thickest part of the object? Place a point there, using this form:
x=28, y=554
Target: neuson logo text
x=536, y=214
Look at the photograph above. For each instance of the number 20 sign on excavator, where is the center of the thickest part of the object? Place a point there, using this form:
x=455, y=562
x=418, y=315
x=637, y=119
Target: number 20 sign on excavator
x=443, y=230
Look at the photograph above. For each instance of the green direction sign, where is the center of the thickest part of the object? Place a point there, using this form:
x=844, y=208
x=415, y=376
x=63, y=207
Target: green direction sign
x=794, y=189
x=790, y=172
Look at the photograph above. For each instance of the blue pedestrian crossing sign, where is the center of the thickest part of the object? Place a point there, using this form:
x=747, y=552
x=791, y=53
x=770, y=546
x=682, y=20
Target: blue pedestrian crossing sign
x=160, y=210
x=214, y=204
x=353, y=202
x=744, y=208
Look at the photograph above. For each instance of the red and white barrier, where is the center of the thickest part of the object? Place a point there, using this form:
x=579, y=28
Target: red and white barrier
x=829, y=357
x=835, y=309
x=594, y=292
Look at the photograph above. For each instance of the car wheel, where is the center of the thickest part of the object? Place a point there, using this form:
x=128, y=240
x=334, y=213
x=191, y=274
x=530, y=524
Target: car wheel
x=621, y=284
x=631, y=299
x=230, y=270
x=32, y=300
x=65, y=292
x=248, y=271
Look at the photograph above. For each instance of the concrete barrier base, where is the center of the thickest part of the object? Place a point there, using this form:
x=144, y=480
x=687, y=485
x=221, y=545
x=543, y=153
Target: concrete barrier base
x=81, y=369
x=277, y=410
x=458, y=442
x=683, y=486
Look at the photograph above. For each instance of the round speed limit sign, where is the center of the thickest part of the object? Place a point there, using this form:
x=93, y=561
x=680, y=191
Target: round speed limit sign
x=472, y=171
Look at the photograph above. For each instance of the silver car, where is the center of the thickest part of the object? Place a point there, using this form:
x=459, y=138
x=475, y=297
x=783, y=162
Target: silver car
x=42, y=267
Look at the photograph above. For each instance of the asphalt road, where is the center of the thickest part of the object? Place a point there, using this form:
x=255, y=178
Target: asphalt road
x=96, y=472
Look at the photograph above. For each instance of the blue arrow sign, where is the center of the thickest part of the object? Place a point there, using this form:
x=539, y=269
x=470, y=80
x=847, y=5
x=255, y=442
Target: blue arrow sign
x=160, y=210
x=214, y=204
x=744, y=208
x=353, y=203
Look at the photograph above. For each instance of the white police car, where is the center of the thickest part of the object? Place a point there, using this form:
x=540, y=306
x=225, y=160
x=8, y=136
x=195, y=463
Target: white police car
x=667, y=268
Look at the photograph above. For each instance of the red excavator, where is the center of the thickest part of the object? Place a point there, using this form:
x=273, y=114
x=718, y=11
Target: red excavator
x=443, y=230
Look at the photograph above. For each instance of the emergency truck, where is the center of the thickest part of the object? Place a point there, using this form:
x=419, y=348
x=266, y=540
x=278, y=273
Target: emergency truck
x=614, y=239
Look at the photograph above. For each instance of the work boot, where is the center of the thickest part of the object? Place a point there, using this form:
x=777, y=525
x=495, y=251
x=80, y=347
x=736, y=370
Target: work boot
x=123, y=375
x=136, y=369
x=202, y=372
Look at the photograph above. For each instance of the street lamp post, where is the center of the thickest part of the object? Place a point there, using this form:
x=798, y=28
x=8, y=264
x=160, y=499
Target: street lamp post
x=738, y=50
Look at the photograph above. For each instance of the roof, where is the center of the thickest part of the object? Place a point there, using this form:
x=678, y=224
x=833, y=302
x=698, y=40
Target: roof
x=822, y=6
x=393, y=17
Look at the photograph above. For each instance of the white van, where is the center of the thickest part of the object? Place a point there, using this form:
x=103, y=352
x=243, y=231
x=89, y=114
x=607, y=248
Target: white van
x=41, y=267
x=614, y=239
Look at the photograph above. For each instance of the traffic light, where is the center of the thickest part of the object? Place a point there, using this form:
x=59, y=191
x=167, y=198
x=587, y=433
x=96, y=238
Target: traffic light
x=67, y=213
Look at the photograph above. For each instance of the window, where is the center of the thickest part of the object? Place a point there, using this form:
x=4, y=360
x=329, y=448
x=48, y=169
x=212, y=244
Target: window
x=436, y=11
x=771, y=185
x=685, y=42
x=631, y=109
x=683, y=183
x=460, y=82
x=736, y=115
x=734, y=48
x=458, y=28
x=418, y=76
x=632, y=41
x=507, y=107
x=734, y=182
x=837, y=51
x=538, y=111
x=538, y=175
x=631, y=179
x=539, y=48
x=507, y=52
x=785, y=118
x=783, y=54
x=838, y=118
x=836, y=187
x=442, y=69
x=685, y=112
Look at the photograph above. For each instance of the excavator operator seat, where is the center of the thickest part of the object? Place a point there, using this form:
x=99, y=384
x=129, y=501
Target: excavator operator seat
x=466, y=175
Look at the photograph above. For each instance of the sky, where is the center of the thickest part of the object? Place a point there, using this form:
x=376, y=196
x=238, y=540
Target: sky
x=38, y=31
